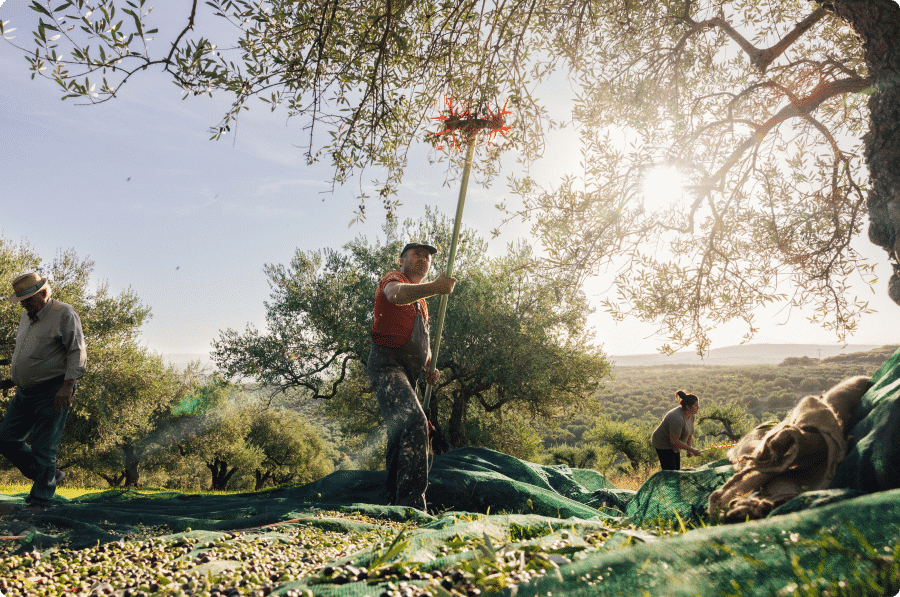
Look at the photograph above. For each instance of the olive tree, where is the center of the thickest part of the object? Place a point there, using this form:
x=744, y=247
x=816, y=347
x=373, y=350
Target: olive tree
x=628, y=438
x=771, y=109
x=767, y=110
x=733, y=417
x=294, y=451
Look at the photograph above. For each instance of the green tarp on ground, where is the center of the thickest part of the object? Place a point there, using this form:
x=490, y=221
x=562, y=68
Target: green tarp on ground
x=468, y=480
x=873, y=460
x=767, y=557
x=578, y=520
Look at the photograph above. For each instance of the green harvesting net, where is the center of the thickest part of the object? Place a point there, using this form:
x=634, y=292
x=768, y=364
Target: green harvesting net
x=501, y=525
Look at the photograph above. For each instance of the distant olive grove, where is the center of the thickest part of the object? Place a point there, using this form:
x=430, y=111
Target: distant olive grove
x=764, y=391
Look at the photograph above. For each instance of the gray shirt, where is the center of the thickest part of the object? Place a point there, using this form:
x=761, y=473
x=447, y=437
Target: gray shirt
x=50, y=346
x=674, y=423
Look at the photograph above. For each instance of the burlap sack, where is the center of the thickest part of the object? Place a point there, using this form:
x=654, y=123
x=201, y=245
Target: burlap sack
x=775, y=463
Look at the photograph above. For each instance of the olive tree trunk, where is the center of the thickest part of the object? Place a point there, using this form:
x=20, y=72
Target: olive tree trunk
x=877, y=23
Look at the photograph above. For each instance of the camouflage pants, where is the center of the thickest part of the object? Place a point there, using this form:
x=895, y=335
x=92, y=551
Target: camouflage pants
x=407, y=428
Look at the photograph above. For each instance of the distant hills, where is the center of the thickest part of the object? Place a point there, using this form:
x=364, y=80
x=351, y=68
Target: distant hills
x=743, y=354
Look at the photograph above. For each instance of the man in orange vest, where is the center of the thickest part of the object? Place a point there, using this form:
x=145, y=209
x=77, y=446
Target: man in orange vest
x=401, y=348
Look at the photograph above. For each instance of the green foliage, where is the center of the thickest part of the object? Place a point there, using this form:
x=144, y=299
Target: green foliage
x=729, y=421
x=509, y=432
x=202, y=397
x=243, y=438
x=293, y=450
x=799, y=361
x=370, y=80
x=574, y=457
x=216, y=439
x=14, y=260
x=317, y=322
x=114, y=436
x=515, y=338
x=136, y=420
x=631, y=438
x=126, y=388
x=220, y=445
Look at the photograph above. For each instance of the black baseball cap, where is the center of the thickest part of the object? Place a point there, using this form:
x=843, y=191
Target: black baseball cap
x=409, y=246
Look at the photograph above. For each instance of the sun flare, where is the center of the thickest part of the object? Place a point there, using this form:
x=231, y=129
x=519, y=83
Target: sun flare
x=661, y=187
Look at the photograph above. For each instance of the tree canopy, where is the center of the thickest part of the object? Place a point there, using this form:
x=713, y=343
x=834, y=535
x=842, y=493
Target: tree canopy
x=512, y=341
x=769, y=109
x=761, y=108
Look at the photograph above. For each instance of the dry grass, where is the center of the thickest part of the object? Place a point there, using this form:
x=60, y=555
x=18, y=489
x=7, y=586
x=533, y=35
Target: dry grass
x=633, y=480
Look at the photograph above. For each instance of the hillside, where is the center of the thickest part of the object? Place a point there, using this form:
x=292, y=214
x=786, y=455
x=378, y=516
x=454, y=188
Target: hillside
x=763, y=390
x=743, y=354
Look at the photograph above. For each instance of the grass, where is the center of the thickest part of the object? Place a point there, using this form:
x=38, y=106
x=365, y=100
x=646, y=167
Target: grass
x=633, y=480
x=72, y=492
x=66, y=492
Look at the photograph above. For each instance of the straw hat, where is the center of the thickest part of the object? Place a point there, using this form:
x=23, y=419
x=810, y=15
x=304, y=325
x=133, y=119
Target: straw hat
x=27, y=285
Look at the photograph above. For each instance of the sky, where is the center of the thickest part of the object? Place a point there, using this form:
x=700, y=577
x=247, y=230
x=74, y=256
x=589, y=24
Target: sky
x=188, y=223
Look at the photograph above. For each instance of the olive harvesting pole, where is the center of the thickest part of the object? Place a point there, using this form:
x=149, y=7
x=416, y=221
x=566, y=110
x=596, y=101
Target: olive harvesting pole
x=460, y=119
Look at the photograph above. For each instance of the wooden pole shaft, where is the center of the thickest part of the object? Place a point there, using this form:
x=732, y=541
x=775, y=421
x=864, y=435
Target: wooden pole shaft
x=442, y=310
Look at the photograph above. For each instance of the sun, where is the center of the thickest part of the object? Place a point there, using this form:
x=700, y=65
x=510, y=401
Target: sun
x=661, y=187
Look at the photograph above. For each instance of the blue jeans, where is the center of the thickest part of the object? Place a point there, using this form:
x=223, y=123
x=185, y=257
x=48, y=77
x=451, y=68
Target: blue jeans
x=32, y=415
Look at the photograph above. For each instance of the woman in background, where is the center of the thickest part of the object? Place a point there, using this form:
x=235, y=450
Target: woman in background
x=676, y=432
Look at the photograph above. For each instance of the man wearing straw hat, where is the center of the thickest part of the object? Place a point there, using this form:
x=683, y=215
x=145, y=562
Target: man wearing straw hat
x=400, y=350
x=48, y=360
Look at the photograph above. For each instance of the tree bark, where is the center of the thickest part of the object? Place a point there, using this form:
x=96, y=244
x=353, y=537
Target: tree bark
x=877, y=24
x=132, y=465
x=282, y=479
x=457, y=423
x=728, y=429
x=261, y=479
x=220, y=474
x=113, y=481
